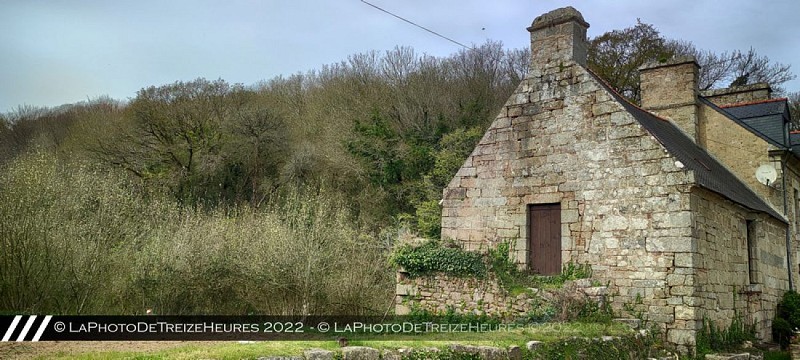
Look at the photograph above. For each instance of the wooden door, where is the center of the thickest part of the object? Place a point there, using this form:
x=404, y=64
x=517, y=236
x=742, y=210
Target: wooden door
x=544, y=238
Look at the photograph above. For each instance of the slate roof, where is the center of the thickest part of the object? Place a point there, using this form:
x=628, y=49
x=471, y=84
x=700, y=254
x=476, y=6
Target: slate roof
x=768, y=117
x=709, y=173
x=762, y=124
x=765, y=118
x=757, y=108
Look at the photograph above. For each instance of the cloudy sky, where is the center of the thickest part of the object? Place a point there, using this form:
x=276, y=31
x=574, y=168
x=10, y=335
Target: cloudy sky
x=54, y=52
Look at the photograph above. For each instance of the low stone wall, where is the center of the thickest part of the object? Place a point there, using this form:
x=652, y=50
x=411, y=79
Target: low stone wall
x=440, y=293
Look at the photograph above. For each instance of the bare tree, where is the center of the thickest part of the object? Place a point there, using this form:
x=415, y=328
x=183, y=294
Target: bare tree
x=399, y=63
x=616, y=56
x=714, y=68
x=750, y=67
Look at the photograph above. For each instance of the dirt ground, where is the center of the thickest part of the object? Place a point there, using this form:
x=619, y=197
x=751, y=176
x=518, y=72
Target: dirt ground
x=45, y=349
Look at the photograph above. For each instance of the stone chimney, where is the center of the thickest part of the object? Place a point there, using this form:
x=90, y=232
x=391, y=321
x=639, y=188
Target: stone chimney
x=739, y=94
x=558, y=37
x=670, y=90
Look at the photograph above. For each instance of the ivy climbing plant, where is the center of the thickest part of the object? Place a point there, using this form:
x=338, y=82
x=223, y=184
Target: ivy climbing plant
x=433, y=256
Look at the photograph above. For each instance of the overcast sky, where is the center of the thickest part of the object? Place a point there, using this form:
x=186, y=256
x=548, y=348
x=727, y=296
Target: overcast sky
x=57, y=52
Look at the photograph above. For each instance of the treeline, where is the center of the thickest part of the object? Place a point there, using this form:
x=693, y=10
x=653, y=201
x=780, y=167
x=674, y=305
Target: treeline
x=284, y=197
x=385, y=129
x=209, y=197
x=617, y=55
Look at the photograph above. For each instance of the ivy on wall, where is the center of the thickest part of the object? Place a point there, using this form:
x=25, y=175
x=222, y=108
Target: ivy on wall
x=433, y=256
x=447, y=257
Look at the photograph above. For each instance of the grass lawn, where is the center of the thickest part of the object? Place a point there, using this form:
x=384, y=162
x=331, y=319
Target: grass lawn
x=236, y=350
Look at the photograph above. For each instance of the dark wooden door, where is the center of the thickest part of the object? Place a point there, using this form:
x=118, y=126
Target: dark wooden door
x=544, y=238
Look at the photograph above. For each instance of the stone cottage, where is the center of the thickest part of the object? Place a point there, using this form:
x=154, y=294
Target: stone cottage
x=662, y=199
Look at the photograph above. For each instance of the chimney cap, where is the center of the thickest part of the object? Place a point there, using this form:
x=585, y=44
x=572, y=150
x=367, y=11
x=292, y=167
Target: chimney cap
x=558, y=16
x=678, y=60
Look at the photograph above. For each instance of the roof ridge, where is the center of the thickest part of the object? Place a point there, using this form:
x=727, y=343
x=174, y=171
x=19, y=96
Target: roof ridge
x=754, y=102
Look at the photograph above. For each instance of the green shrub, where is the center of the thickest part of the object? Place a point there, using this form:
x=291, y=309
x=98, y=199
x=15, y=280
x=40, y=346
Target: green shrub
x=65, y=235
x=76, y=240
x=501, y=265
x=789, y=308
x=540, y=312
x=429, y=219
x=432, y=257
x=782, y=332
x=777, y=355
x=711, y=338
x=300, y=255
x=628, y=347
x=787, y=318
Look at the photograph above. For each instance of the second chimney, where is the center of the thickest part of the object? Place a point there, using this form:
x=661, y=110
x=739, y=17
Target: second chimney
x=670, y=90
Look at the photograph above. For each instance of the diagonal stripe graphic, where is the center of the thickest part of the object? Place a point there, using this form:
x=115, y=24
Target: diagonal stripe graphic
x=42, y=327
x=27, y=327
x=12, y=327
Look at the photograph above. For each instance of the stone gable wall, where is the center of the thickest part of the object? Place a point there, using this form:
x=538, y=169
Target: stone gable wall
x=625, y=201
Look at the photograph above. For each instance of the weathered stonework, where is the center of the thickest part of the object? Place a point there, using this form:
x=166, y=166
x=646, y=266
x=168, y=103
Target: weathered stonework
x=743, y=151
x=740, y=150
x=669, y=89
x=562, y=138
x=558, y=35
x=661, y=240
x=442, y=293
x=732, y=278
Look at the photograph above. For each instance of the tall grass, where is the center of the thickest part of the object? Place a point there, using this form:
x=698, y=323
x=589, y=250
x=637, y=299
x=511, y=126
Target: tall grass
x=74, y=240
